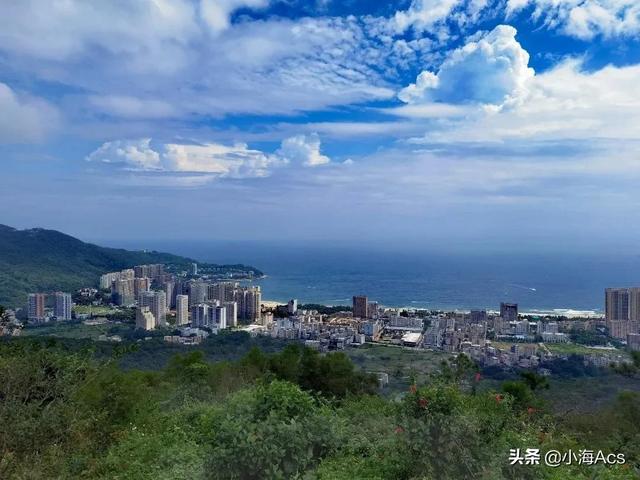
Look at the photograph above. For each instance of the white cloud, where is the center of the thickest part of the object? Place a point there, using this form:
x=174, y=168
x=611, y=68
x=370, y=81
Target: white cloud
x=492, y=70
x=24, y=118
x=148, y=32
x=585, y=19
x=564, y=104
x=213, y=159
x=137, y=30
x=157, y=59
x=434, y=17
x=125, y=106
x=423, y=14
x=303, y=149
x=216, y=13
x=137, y=154
x=188, y=162
x=237, y=161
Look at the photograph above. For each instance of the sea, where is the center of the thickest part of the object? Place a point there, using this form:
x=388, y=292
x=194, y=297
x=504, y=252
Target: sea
x=569, y=284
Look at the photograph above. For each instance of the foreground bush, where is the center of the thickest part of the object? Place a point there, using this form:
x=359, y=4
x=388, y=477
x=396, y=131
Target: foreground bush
x=282, y=416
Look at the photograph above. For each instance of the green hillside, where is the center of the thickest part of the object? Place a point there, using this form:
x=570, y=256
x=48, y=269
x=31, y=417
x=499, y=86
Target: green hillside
x=43, y=260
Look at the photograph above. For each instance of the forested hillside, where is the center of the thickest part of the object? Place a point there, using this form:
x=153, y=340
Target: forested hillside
x=42, y=260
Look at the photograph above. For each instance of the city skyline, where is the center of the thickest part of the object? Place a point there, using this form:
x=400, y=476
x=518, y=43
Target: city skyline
x=513, y=124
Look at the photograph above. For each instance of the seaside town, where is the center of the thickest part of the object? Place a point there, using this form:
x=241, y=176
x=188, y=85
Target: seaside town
x=189, y=307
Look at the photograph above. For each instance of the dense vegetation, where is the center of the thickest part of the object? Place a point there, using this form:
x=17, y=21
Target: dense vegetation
x=294, y=414
x=43, y=260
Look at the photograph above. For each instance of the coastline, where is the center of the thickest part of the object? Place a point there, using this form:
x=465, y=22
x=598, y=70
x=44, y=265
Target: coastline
x=566, y=312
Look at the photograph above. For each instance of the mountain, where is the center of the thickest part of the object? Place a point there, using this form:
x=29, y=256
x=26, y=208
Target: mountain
x=43, y=260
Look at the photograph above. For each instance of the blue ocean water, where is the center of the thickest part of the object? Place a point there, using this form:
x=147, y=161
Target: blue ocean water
x=327, y=275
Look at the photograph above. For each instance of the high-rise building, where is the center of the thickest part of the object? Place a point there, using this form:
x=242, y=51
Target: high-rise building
x=200, y=315
x=616, y=304
x=619, y=328
x=634, y=304
x=232, y=313
x=222, y=291
x=141, y=284
x=292, y=306
x=360, y=306
x=372, y=310
x=197, y=292
x=122, y=291
x=153, y=271
x=194, y=269
x=107, y=279
x=157, y=303
x=249, y=300
x=62, y=306
x=144, y=318
x=219, y=317
x=182, y=309
x=621, y=304
x=254, y=304
x=169, y=288
x=36, y=307
x=509, y=312
x=128, y=274
x=478, y=316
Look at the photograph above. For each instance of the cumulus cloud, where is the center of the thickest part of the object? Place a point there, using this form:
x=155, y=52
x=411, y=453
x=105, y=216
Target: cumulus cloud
x=236, y=161
x=206, y=160
x=566, y=104
x=584, y=19
x=304, y=149
x=492, y=70
x=134, y=153
x=24, y=118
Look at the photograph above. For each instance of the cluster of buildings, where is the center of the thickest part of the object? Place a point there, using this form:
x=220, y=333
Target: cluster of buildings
x=154, y=292
x=473, y=333
x=367, y=322
x=44, y=307
x=622, y=315
x=502, y=338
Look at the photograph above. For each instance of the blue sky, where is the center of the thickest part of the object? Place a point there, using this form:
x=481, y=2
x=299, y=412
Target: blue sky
x=476, y=125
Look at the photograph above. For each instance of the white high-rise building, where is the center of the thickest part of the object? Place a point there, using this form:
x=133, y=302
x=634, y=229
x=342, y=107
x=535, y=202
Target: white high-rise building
x=169, y=288
x=62, y=306
x=199, y=315
x=220, y=317
x=145, y=319
x=182, y=309
x=232, y=313
x=157, y=303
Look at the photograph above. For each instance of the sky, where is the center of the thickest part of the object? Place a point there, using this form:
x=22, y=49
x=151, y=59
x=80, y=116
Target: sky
x=438, y=124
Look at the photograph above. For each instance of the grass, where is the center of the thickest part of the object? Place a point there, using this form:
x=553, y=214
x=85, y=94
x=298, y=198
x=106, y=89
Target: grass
x=574, y=348
x=67, y=330
x=587, y=394
x=563, y=348
x=93, y=309
x=401, y=364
